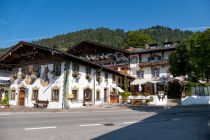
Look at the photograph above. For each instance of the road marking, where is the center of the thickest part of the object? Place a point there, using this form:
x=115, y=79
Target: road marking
x=36, y=128
x=176, y=119
x=90, y=124
x=130, y=122
x=4, y=114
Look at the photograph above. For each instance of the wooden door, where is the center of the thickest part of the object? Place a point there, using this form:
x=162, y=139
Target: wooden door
x=87, y=96
x=22, y=97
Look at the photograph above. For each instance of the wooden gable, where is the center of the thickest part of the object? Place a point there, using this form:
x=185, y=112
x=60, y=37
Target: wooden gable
x=93, y=48
x=28, y=54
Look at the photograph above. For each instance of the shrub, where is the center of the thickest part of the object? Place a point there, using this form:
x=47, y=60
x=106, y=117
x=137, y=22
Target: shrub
x=5, y=101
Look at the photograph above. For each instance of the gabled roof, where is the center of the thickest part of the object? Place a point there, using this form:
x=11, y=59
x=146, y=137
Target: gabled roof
x=66, y=55
x=74, y=48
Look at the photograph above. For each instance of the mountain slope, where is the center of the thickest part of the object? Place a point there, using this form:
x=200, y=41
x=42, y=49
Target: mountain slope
x=115, y=38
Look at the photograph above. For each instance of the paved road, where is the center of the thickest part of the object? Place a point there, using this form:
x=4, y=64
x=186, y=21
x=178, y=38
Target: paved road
x=123, y=124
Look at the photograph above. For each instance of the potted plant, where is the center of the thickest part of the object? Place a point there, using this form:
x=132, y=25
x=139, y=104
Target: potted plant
x=125, y=96
x=4, y=103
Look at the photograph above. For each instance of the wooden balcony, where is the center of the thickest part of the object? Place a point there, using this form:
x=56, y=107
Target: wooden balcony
x=154, y=63
x=122, y=66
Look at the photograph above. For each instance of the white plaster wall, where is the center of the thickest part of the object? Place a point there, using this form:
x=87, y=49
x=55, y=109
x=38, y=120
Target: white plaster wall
x=155, y=101
x=83, y=84
x=164, y=70
x=44, y=92
x=166, y=55
x=191, y=100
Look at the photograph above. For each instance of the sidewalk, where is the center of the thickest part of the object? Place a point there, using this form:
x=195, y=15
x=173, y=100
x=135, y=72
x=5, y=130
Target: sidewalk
x=108, y=108
x=105, y=107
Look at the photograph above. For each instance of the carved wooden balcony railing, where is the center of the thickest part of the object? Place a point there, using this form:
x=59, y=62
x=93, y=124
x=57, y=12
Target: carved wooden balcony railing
x=154, y=63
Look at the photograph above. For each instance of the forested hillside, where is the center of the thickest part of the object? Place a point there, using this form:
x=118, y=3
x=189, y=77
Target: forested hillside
x=115, y=38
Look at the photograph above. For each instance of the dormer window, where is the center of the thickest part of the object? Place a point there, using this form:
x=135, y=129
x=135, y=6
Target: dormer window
x=152, y=46
x=167, y=44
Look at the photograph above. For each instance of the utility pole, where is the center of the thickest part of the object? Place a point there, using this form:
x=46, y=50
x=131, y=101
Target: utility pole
x=94, y=85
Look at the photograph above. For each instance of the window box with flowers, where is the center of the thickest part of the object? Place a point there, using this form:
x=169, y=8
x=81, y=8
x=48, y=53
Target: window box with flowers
x=99, y=79
x=88, y=77
x=76, y=74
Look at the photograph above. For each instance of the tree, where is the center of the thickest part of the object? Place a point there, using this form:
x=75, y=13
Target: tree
x=179, y=61
x=137, y=39
x=192, y=58
x=200, y=55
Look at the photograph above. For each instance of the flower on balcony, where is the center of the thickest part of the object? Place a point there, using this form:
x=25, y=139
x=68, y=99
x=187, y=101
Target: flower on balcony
x=99, y=79
x=22, y=76
x=76, y=74
x=88, y=77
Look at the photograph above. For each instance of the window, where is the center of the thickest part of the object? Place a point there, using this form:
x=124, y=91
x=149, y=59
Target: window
x=98, y=95
x=35, y=94
x=119, y=81
x=140, y=59
x=24, y=70
x=15, y=72
x=37, y=70
x=88, y=70
x=113, y=78
x=75, y=67
x=57, y=69
x=140, y=73
x=154, y=58
x=106, y=76
x=12, y=96
x=55, y=95
x=98, y=74
x=155, y=73
x=74, y=92
x=134, y=60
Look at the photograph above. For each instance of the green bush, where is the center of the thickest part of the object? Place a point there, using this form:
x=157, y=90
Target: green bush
x=125, y=94
x=5, y=101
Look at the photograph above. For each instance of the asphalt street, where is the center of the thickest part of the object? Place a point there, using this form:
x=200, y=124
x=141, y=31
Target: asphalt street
x=123, y=124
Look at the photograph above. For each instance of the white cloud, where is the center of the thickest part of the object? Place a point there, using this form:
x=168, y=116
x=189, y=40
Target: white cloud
x=196, y=28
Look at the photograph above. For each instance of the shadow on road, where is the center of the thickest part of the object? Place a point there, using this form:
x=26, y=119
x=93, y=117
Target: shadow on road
x=171, y=124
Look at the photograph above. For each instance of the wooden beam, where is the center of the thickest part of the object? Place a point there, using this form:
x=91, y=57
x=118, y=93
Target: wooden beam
x=22, y=55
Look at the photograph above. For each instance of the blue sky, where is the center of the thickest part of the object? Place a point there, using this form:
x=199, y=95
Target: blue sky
x=33, y=19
